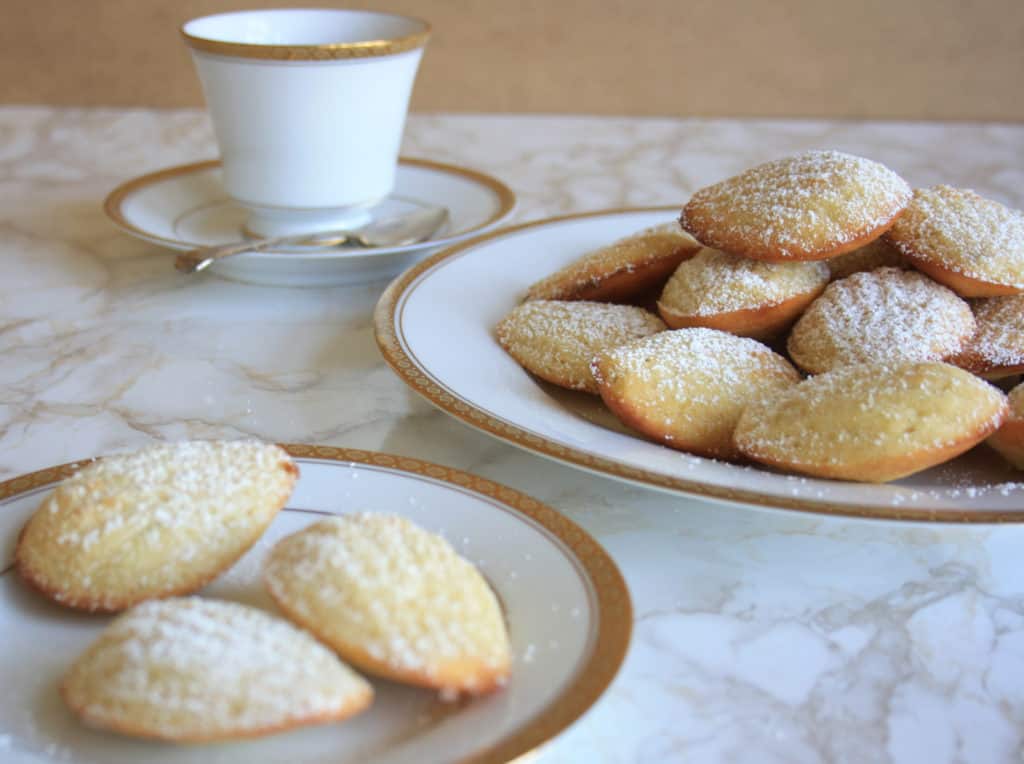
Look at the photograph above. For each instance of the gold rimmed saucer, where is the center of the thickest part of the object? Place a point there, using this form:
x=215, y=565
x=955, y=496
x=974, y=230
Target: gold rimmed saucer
x=185, y=207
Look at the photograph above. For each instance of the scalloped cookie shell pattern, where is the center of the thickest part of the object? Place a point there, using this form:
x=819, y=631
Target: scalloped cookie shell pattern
x=686, y=388
x=811, y=206
x=747, y=297
x=621, y=271
x=162, y=521
x=996, y=349
x=556, y=340
x=887, y=315
x=871, y=423
x=393, y=600
x=971, y=244
x=197, y=670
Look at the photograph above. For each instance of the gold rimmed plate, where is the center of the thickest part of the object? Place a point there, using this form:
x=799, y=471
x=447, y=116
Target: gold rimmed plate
x=435, y=324
x=185, y=207
x=565, y=602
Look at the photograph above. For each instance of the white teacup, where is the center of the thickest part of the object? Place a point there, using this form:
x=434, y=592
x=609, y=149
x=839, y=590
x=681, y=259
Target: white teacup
x=308, y=107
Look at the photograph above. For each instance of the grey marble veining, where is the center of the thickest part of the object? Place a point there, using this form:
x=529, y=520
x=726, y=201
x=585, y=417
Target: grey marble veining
x=760, y=636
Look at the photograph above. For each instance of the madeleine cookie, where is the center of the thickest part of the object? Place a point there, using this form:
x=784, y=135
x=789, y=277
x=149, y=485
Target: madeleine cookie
x=808, y=207
x=191, y=670
x=996, y=350
x=686, y=388
x=393, y=600
x=735, y=294
x=877, y=254
x=162, y=521
x=1008, y=440
x=621, y=271
x=882, y=316
x=973, y=245
x=871, y=423
x=557, y=340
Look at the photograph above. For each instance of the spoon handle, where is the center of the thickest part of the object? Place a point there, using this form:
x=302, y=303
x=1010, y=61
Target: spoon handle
x=200, y=258
x=398, y=231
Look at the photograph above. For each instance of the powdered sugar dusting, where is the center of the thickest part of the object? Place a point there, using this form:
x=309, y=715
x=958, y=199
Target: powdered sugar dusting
x=999, y=338
x=807, y=205
x=881, y=316
x=874, y=255
x=194, y=669
x=964, y=232
x=624, y=255
x=673, y=361
x=715, y=282
x=591, y=324
x=556, y=339
x=687, y=387
x=980, y=491
x=165, y=513
x=380, y=585
x=164, y=483
x=870, y=414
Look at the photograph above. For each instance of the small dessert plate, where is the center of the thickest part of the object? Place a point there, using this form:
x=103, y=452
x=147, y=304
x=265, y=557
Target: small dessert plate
x=186, y=207
x=565, y=602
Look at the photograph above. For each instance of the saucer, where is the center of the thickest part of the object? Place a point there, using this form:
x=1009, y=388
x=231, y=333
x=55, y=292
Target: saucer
x=186, y=207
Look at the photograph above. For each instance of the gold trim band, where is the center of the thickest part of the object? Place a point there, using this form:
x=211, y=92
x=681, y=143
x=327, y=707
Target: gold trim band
x=334, y=51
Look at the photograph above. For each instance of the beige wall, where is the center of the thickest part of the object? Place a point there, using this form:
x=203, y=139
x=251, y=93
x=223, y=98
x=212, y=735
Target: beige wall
x=945, y=59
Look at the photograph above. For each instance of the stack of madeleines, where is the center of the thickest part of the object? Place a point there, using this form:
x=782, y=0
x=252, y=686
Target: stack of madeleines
x=137, y=532
x=814, y=314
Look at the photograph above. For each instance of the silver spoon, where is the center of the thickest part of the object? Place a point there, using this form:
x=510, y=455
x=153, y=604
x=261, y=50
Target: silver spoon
x=397, y=231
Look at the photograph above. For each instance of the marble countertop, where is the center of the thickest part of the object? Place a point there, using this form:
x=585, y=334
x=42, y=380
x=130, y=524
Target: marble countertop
x=760, y=636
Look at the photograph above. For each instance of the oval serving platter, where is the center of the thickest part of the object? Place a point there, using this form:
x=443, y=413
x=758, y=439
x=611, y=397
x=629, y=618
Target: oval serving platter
x=434, y=327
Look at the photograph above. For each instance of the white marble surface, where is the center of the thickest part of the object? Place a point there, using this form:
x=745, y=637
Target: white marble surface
x=759, y=636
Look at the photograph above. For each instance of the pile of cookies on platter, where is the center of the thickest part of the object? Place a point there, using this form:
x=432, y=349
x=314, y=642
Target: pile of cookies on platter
x=134, y=534
x=813, y=314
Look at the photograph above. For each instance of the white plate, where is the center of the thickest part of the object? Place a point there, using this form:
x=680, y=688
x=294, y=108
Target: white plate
x=434, y=326
x=186, y=207
x=566, y=604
